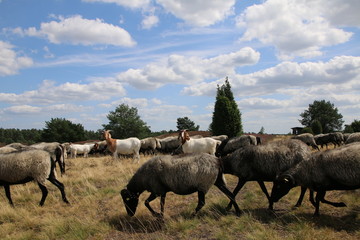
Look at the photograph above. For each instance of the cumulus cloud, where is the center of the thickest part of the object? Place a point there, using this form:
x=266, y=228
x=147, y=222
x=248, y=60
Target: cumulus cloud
x=188, y=70
x=296, y=28
x=198, y=12
x=149, y=21
x=49, y=93
x=77, y=30
x=10, y=61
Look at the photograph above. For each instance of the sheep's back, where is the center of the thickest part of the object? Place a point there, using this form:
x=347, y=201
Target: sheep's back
x=182, y=174
x=17, y=166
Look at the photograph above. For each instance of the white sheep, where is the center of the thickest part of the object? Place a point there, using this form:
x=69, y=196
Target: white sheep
x=181, y=174
x=80, y=149
x=24, y=166
x=200, y=145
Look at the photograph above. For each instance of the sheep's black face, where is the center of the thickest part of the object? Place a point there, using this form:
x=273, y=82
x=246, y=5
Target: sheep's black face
x=131, y=201
x=281, y=187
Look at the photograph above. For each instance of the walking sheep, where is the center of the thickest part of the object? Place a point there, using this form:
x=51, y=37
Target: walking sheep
x=264, y=162
x=181, y=174
x=56, y=150
x=336, y=169
x=25, y=166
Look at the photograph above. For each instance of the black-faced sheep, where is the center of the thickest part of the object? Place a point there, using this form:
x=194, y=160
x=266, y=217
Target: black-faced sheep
x=264, y=162
x=181, y=174
x=28, y=165
x=336, y=169
x=230, y=145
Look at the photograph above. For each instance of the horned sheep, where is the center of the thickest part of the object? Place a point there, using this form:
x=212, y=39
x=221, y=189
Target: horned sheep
x=24, y=166
x=336, y=169
x=181, y=174
x=264, y=162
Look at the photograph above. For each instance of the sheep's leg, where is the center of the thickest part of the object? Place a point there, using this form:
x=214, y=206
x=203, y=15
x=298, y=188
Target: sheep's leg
x=221, y=185
x=8, y=194
x=335, y=204
x=44, y=193
x=301, y=197
x=263, y=188
x=147, y=204
x=201, y=201
x=238, y=187
x=61, y=187
x=162, y=203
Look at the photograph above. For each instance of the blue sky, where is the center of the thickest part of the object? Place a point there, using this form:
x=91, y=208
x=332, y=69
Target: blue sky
x=80, y=59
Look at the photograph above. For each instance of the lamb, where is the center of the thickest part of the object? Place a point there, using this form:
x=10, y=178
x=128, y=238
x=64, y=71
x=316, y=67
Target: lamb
x=336, y=169
x=200, y=145
x=80, y=149
x=149, y=145
x=123, y=146
x=354, y=137
x=24, y=166
x=307, y=138
x=264, y=162
x=231, y=144
x=56, y=150
x=181, y=174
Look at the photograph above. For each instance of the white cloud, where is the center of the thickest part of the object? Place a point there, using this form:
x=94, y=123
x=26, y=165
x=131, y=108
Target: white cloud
x=22, y=109
x=295, y=28
x=198, y=12
x=188, y=70
x=149, y=22
x=80, y=31
x=49, y=93
x=10, y=61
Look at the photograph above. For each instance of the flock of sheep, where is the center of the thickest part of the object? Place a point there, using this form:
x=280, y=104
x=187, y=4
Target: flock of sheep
x=197, y=163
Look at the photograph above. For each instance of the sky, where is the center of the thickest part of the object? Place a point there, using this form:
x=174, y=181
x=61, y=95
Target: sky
x=80, y=59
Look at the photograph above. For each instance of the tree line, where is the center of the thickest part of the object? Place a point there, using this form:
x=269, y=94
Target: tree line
x=321, y=117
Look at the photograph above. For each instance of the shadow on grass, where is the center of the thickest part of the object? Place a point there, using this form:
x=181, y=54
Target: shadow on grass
x=142, y=224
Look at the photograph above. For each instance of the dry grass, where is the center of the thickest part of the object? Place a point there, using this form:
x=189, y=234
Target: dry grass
x=97, y=211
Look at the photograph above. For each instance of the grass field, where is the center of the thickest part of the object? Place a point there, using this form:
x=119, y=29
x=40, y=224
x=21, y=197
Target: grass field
x=97, y=211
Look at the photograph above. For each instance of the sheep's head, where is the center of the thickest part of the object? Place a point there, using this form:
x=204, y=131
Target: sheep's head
x=131, y=201
x=184, y=136
x=282, y=186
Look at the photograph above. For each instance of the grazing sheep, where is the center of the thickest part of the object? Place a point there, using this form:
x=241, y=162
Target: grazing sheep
x=149, y=145
x=124, y=146
x=232, y=144
x=169, y=144
x=220, y=137
x=200, y=145
x=181, y=174
x=80, y=149
x=264, y=162
x=99, y=148
x=24, y=166
x=56, y=150
x=336, y=169
x=17, y=146
x=307, y=138
x=354, y=137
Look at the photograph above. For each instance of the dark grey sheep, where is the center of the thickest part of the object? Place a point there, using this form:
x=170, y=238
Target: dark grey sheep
x=149, y=145
x=169, y=144
x=229, y=145
x=264, y=162
x=335, y=138
x=307, y=138
x=336, y=169
x=24, y=166
x=181, y=174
